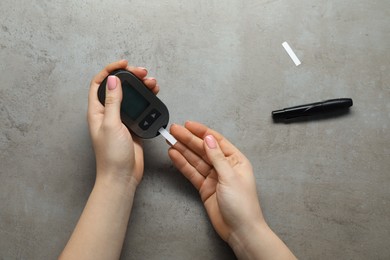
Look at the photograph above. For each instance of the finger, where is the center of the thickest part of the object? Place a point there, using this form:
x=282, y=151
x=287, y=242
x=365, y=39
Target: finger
x=139, y=72
x=192, y=158
x=95, y=108
x=194, y=143
x=186, y=168
x=217, y=157
x=151, y=84
x=156, y=89
x=201, y=131
x=112, y=105
x=122, y=64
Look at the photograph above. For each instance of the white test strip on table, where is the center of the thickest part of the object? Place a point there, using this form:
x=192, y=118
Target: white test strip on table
x=167, y=136
x=291, y=53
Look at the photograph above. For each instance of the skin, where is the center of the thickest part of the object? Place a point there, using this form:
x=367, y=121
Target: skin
x=226, y=184
x=100, y=231
x=217, y=169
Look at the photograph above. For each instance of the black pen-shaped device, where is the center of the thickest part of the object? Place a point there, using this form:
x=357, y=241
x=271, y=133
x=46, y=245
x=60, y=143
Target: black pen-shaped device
x=318, y=108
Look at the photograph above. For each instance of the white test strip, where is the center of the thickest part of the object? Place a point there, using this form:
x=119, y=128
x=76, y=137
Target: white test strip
x=291, y=53
x=167, y=136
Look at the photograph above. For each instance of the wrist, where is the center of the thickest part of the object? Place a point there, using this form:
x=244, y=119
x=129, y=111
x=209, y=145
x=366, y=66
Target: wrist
x=258, y=242
x=122, y=184
x=247, y=238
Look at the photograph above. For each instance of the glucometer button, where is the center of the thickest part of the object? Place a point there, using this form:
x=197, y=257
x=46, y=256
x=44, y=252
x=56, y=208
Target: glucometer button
x=149, y=119
x=144, y=124
x=153, y=115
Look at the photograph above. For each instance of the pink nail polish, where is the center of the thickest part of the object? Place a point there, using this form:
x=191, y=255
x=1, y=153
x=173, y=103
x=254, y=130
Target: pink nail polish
x=111, y=82
x=210, y=141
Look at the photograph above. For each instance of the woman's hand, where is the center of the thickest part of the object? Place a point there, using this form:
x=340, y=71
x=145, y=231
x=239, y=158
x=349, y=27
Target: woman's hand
x=118, y=154
x=226, y=184
x=101, y=229
x=222, y=175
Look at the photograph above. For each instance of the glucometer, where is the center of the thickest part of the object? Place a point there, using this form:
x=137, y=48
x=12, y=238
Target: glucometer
x=142, y=112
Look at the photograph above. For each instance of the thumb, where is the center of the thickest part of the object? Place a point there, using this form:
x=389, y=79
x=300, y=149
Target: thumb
x=113, y=100
x=217, y=158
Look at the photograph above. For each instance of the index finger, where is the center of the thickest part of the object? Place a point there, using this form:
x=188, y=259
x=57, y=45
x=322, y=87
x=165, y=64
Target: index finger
x=122, y=64
x=201, y=131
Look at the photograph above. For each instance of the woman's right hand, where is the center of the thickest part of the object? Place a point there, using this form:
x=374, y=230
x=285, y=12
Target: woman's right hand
x=226, y=184
x=222, y=175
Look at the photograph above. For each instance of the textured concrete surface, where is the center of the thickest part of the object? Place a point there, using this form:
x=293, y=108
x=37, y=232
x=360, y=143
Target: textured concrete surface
x=324, y=185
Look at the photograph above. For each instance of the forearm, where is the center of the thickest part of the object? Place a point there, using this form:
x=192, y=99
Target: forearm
x=259, y=242
x=101, y=230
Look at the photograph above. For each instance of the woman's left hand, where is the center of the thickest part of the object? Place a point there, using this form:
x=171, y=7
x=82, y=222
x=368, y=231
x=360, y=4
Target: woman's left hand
x=119, y=155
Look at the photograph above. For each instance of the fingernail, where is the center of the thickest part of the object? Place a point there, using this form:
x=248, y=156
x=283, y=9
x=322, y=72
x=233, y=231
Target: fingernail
x=210, y=141
x=111, y=82
x=142, y=68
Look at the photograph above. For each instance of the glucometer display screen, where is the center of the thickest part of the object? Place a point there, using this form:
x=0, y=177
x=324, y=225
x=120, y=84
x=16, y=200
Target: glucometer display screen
x=133, y=103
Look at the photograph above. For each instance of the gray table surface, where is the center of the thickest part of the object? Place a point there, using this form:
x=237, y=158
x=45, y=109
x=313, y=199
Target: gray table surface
x=323, y=185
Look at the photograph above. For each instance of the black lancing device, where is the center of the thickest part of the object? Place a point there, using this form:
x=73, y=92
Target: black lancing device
x=313, y=109
x=141, y=111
